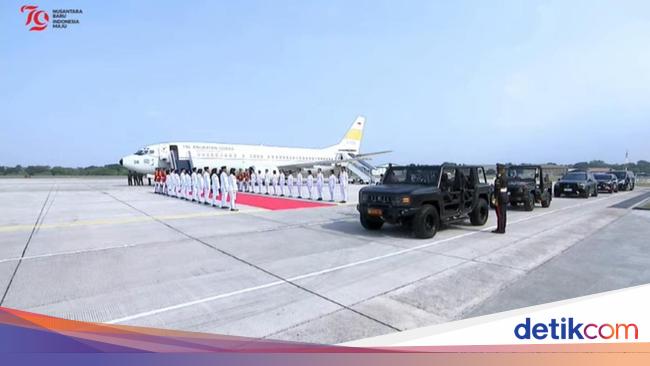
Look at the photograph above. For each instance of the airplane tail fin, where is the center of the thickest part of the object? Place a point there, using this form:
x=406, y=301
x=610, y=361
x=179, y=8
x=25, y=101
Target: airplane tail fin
x=351, y=142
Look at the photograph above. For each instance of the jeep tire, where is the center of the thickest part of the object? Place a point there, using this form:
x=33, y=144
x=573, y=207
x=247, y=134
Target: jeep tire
x=529, y=202
x=426, y=222
x=371, y=223
x=479, y=216
x=546, y=202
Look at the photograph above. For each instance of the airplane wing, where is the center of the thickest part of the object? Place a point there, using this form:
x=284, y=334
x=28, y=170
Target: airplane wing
x=331, y=162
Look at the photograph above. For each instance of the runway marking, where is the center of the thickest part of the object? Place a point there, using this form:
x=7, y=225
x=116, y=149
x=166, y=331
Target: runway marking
x=337, y=268
x=125, y=220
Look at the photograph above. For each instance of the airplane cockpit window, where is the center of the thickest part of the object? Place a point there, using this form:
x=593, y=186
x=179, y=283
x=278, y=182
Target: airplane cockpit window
x=139, y=152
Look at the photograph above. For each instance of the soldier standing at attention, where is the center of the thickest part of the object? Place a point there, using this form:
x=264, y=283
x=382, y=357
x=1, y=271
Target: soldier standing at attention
x=290, y=183
x=343, y=182
x=501, y=198
x=310, y=183
x=282, y=181
x=331, y=183
x=299, y=182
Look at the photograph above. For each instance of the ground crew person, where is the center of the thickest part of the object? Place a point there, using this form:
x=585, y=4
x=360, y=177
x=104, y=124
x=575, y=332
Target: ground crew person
x=310, y=183
x=299, y=182
x=343, y=182
x=282, y=181
x=331, y=184
x=501, y=198
x=129, y=178
x=215, y=187
x=274, y=181
x=320, y=180
x=232, y=189
x=290, y=183
x=225, y=182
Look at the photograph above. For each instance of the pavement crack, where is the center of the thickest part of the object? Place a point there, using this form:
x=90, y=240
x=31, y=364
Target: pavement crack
x=37, y=223
x=253, y=265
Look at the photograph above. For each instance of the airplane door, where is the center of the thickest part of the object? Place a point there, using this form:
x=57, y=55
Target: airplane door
x=173, y=155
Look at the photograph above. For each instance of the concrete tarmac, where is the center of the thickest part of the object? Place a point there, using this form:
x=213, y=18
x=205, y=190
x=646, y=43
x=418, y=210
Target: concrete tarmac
x=98, y=250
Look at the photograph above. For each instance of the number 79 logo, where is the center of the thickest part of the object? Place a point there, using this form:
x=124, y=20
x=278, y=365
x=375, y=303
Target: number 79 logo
x=39, y=18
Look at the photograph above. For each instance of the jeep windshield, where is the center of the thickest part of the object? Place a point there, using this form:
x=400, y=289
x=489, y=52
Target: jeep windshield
x=604, y=177
x=620, y=175
x=519, y=173
x=412, y=175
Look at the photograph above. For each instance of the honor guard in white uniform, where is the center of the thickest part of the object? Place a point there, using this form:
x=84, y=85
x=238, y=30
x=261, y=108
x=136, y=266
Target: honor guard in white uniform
x=232, y=189
x=179, y=188
x=310, y=183
x=260, y=181
x=215, y=188
x=267, y=179
x=343, y=182
x=199, y=186
x=282, y=180
x=194, y=183
x=170, y=184
x=253, y=181
x=290, y=182
x=224, y=180
x=183, y=184
x=206, y=185
x=299, y=182
x=331, y=184
x=320, y=180
x=274, y=181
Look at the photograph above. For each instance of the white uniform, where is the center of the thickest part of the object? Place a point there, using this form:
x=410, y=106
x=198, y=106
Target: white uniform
x=184, y=185
x=310, y=185
x=232, y=191
x=282, y=181
x=206, y=187
x=319, y=185
x=169, y=183
x=195, y=187
x=290, y=184
x=274, y=181
x=343, y=181
x=267, y=178
x=253, y=181
x=225, y=183
x=299, y=182
x=179, y=188
x=199, y=187
x=215, y=189
x=331, y=184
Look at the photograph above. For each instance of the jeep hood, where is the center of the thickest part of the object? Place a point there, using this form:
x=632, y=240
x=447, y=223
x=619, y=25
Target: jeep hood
x=398, y=189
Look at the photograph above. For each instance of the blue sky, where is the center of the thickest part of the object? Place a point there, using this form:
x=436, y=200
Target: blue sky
x=466, y=81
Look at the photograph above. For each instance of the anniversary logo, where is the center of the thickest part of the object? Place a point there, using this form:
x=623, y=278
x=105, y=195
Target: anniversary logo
x=38, y=20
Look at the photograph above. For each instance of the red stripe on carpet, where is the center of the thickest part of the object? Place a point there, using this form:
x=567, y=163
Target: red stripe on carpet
x=276, y=203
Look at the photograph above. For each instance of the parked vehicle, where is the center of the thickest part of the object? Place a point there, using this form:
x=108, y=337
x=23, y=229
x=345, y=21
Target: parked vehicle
x=576, y=183
x=528, y=184
x=421, y=197
x=607, y=182
x=626, y=179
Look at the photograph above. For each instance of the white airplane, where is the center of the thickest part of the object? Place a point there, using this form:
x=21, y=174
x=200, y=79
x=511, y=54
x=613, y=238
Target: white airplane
x=172, y=155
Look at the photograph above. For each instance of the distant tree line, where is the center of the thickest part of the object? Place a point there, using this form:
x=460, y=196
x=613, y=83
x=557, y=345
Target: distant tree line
x=46, y=170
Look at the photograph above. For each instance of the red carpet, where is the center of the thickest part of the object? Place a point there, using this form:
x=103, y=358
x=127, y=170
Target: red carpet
x=276, y=203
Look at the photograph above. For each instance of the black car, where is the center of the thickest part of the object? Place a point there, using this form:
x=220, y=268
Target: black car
x=626, y=180
x=576, y=183
x=421, y=197
x=528, y=184
x=606, y=182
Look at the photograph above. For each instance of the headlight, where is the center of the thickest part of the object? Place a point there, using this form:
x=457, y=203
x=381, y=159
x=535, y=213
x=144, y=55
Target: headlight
x=582, y=185
x=401, y=200
x=406, y=200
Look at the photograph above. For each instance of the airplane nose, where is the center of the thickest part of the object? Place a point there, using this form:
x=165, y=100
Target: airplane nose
x=121, y=161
